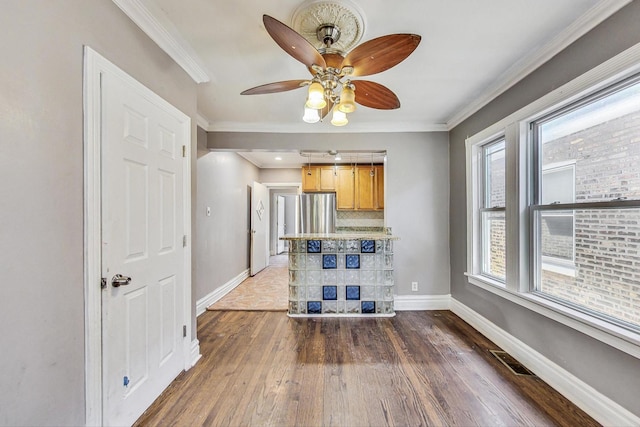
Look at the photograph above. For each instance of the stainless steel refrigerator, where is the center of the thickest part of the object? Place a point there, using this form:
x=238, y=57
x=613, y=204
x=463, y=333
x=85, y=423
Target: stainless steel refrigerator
x=316, y=213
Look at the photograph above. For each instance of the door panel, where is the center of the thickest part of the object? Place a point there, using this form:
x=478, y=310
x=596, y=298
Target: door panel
x=142, y=229
x=259, y=227
x=280, y=224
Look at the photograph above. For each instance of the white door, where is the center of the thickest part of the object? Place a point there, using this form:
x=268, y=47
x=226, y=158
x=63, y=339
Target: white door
x=281, y=224
x=142, y=239
x=259, y=227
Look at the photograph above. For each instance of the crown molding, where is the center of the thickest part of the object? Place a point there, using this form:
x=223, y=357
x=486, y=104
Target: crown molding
x=166, y=36
x=594, y=16
x=203, y=122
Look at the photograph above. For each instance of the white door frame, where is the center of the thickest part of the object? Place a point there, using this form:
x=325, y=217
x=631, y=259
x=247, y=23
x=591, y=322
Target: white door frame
x=95, y=66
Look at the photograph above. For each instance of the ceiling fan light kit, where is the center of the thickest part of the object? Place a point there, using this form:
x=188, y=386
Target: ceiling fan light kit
x=325, y=40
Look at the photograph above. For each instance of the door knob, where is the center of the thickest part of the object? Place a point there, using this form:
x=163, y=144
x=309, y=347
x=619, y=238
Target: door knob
x=120, y=280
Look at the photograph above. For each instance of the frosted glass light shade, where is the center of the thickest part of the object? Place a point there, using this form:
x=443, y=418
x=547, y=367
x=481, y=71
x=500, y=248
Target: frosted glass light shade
x=347, y=100
x=316, y=96
x=311, y=115
x=339, y=118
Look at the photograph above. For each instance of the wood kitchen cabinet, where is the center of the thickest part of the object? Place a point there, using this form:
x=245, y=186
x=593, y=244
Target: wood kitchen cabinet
x=346, y=188
x=318, y=178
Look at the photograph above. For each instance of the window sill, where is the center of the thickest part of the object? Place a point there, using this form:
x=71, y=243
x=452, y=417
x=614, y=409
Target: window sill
x=613, y=335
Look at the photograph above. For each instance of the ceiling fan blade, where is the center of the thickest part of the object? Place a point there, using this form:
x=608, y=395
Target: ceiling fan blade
x=380, y=54
x=375, y=95
x=276, y=87
x=326, y=109
x=293, y=43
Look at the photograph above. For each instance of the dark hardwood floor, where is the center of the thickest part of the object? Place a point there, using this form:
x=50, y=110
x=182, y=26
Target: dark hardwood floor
x=416, y=369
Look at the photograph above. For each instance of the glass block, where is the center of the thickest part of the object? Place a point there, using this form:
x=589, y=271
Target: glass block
x=353, y=261
x=367, y=292
x=342, y=293
x=368, y=307
x=387, y=293
x=352, y=277
x=368, y=277
x=329, y=277
x=352, y=307
x=340, y=307
x=313, y=246
x=388, y=246
x=388, y=261
x=379, y=307
x=302, y=293
x=353, y=246
x=329, y=307
x=296, y=277
x=314, y=262
x=294, y=246
x=353, y=292
x=388, y=307
x=340, y=277
x=341, y=262
x=314, y=292
x=314, y=307
x=368, y=261
x=314, y=277
x=329, y=246
x=329, y=293
x=297, y=261
x=293, y=307
x=379, y=246
x=367, y=246
x=293, y=293
x=329, y=261
x=388, y=277
x=302, y=307
x=341, y=246
x=380, y=261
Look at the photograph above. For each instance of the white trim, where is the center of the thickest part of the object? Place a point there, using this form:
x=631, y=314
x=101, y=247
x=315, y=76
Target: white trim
x=95, y=66
x=195, y=352
x=421, y=302
x=166, y=36
x=207, y=300
x=605, y=332
x=524, y=67
x=600, y=407
x=202, y=122
x=325, y=127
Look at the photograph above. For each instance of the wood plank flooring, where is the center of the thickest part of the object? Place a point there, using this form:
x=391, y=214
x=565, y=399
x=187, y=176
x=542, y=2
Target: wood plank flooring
x=416, y=369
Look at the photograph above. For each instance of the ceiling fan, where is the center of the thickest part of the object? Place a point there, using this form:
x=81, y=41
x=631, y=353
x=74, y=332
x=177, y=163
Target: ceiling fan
x=332, y=69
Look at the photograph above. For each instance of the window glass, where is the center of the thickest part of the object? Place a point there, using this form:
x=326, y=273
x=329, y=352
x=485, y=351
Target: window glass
x=492, y=215
x=494, y=175
x=493, y=239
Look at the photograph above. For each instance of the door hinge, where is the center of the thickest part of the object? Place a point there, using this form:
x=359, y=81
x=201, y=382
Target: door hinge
x=184, y=331
x=184, y=241
x=103, y=283
x=184, y=151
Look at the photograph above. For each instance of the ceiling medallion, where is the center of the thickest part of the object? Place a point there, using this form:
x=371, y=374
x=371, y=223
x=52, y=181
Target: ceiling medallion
x=319, y=20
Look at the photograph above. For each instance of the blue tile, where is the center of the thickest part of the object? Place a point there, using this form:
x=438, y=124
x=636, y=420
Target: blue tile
x=329, y=292
x=368, y=307
x=367, y=246
x=353, y=292
x=330, y=261
x=353, y=261
x=313, y=246
x=314, y=307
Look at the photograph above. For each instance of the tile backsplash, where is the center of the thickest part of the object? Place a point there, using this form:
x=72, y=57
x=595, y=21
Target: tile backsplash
x=359, y=219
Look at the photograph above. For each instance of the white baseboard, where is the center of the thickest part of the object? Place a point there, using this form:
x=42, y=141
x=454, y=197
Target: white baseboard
x=195, y=352
x=601, y=408
x=421, y=302
x=206, y=301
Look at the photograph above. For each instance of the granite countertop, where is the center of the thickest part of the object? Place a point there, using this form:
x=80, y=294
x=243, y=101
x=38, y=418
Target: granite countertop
x=340, y=236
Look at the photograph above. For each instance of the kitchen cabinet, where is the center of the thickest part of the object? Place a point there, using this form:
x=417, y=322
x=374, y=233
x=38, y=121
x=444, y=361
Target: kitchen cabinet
x=345, y=188
x=318, y=178
x=369, y=188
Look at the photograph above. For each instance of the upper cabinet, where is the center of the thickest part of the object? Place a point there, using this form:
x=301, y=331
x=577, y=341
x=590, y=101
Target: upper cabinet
x=318, y=178
x=357, y=188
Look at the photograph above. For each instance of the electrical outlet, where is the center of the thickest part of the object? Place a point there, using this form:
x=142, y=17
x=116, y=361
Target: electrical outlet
x=414, y=286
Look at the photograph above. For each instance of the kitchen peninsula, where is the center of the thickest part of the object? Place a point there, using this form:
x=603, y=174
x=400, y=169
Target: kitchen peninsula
x=338, y=274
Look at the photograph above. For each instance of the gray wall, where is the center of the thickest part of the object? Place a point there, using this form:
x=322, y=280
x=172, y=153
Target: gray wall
x=41, y=188
x=417, y=194
x=273, y=214
x=608, y=370
x=221, y=250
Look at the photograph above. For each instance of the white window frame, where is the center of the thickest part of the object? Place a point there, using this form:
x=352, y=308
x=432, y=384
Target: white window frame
x=518, y=286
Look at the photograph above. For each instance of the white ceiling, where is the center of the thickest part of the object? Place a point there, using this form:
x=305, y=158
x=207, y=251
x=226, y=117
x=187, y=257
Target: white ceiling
x=470, y=52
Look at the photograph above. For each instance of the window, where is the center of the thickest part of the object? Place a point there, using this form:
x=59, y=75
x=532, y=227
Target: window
x=553, y=205
x=586, y=212
x=492, y=210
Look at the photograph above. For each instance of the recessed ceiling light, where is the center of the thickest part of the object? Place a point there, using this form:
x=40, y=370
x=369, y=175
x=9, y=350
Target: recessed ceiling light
x=278, y=158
